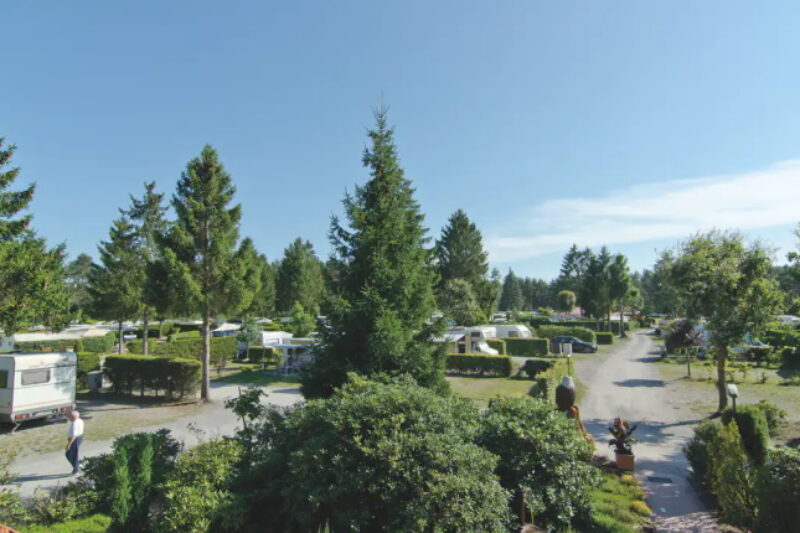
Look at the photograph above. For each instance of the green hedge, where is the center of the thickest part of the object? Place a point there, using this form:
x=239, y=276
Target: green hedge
x=182, y=335
x=262, y=354
x=104, y=344
x=615, y=327
x=526, y=347
x=753, y=429
x=536, y=321
x=174, y=377
x=498, y=344
x=87, y=362
x=778, y=337
x=545, y=383
x=534, y=367
x=778, y=492
x=700, y=449
x=790, y=358
x=50, y=346
x=582, y=333
x=190, y=348
x=97, y=523
x=604, y=337
x=479, y=363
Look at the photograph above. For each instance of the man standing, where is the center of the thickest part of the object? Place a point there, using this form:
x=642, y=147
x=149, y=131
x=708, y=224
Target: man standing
x=74, y=439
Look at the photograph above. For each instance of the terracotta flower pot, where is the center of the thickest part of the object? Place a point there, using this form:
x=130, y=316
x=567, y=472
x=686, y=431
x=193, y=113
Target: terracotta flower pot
x=625, y=461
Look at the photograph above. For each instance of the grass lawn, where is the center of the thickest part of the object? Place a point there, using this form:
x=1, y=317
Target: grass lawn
x=619, y=505
x=482, y=389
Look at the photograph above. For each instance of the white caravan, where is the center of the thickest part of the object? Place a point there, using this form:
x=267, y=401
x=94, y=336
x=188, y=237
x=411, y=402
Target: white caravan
x=470, y=340
x=36, y=385
x=512, y=331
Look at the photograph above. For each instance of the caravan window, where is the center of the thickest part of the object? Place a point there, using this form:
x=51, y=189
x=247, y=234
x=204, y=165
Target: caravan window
x=35, y=377
x=3, y=379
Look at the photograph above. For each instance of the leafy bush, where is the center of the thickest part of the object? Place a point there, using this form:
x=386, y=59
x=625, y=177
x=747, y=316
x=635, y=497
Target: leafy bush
x=479, y=364
x=732, y=479
x=545, y=383
x=782, y=336
x=97, y=523
x=50, y=346
x=615, y=327
x=699, y=450
x=753, y=428
x=773, y=414
x=550, y=332
x=790, y=358
x=543, y=457
x=262, y=354
x=757, y=354
x=196, y=492
x=221, y=347
x=102, y=344
x=175, y=377
x=373, y=457
x=87, y=362
x=497, y=344
x=536, y=320
x=604, y=337
x=533, y=367
x=681, y=334
x=527, y=347
x=778, y=492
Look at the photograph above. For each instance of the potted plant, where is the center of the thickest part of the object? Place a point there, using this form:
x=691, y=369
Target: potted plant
x=623, y=443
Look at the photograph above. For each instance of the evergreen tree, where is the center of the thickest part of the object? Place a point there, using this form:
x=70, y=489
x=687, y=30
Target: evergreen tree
x=299, y=278
x=511, y=296
x=259, y=298
x=77, y=281
x=573, y=270
x=116, y=284
x=148, y=215
x=566, y=301
x=199, y=260
x=619, y=287
x=459, y=252
x=593, y=294
x=12, y=202
x=380, y=316
x=458, y=303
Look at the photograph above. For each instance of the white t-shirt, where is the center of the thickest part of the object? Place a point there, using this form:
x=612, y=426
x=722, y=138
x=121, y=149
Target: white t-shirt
x=75, y=428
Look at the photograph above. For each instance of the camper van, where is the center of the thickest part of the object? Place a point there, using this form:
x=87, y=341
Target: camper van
x=36, y=385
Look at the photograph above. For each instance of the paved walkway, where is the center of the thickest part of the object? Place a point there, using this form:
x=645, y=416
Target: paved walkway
x=48, y=471
x=626, y=383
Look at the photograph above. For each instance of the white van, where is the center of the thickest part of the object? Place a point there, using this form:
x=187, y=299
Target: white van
x=36, y=385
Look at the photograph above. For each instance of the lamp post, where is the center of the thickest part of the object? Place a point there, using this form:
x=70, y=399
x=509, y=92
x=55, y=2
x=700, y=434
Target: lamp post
x=733, y=392
x=569, y=364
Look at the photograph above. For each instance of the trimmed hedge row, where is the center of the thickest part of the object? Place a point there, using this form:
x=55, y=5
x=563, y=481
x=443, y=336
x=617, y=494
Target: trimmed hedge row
x=87, y=362
x=102, y=344
x=545, y=382
x=479, y=363
x=221, y=347
x=534, y=367
x=604, y=337
x=175, y=377
x=582, y=333
x=262, y=354
x=526, y=347
x=498, y=344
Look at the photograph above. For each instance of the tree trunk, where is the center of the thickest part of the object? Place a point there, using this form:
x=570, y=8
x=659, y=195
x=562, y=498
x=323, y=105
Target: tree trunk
x=722, y=357
x=145, y=332
x=119, y=345
x=204, y=384
x=622, y=334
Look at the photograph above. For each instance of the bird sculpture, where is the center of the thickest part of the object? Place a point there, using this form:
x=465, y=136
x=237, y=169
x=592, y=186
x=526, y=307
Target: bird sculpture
x=565, y=394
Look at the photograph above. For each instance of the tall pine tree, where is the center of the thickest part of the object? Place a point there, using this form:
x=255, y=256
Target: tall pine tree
x=380, y=320
x=460, y=253
x=199, y=259
x=299, y=278
x=511, y=296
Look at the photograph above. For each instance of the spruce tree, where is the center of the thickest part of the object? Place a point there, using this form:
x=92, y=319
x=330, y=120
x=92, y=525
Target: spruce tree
x=619, y=287
x=511, y=296
x=459, y=252
x=299, y=278
x=12, y=202
x=116, y=284
x=199, y=257
x=259, y=298
x=77, y=280
x=380, y=316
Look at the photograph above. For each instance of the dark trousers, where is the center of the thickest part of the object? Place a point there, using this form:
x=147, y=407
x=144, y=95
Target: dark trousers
x=72, y=453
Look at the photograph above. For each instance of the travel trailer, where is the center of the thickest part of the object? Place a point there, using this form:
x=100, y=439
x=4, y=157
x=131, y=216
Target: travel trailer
x=36, y=385
x=512, y=331
x=470, y=340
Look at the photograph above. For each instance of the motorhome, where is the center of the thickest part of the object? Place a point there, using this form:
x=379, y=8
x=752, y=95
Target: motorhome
x=36, y=385
x=470, y=340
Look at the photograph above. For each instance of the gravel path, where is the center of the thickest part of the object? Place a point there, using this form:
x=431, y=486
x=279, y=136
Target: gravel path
x=627, y=384
x=49, y=470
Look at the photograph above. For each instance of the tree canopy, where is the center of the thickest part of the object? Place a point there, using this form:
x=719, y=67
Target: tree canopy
x=459, y=252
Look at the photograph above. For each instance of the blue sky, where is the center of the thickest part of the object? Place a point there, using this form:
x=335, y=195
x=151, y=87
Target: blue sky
x=627, y=123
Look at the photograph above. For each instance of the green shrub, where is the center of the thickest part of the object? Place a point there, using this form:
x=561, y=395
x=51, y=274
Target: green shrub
x=262, y=354
x=773, y=414
x=615, y=327
x=790, y=358
x=196, y=492
x=183, y=335
x=221, y=347
x=97, y=523
x=50, y=346
x=778, y=492
x=102, y=344
x=526, y=347
x=497, y=344
x=550, y=332
x=753, y=428
x=535, y=321
x=545, y=383
x=604, y=337
x=534, y=367
x=778, y=337
x=757, y=354
x=175, y=377
x=87, y=362
x=699, y=450
x=732, y=479
x=478, y=363
x=593, y=325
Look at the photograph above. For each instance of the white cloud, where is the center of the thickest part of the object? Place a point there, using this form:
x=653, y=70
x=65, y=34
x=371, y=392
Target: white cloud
x=667, y=209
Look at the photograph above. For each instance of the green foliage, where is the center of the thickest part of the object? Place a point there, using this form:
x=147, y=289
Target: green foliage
x=262, y=354
x=790, y=358
x=617, y=506
x=782, y=336
x=773, y=414
x=87, y=362
x=545, y=382
x=534, y=367
x=681, y=334
x=757, y=354
x=259, y=279
x=499, y=365
x=497, y=344
x=527, y=347
x=604, y=337
x=543, y=457
x=753, y=428
x=174, y=377
x=97, y=523
x=459, y=252
x=196, y=492
x=190, y=348
x=299, y=278
x=550, y=332
x=302, y=321
x=456, y=300
x=373, y=457
x=511, y=294
x=566, y=300
x=778, y=492
x=732, y=477
x=104, y=344
x=381, y=274
x=700, y=449
x=66, y=345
